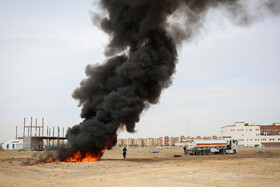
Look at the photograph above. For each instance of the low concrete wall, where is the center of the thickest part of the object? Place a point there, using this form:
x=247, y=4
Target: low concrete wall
x=30, y=143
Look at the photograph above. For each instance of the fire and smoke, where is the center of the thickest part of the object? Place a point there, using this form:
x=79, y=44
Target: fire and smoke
x=142, y=57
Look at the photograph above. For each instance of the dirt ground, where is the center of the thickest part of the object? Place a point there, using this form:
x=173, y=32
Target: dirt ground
x=249, y=167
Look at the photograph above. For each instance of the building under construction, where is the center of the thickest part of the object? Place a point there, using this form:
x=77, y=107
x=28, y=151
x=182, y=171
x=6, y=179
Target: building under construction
x=36, y=138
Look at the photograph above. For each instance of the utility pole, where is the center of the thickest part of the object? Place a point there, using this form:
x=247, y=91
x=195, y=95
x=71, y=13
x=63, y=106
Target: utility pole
x=43, y=126
x=58, y=136
x=31, y=128
x=23, y=128
x=35, y=134
x=48, y=137
x=63, y=135
x=53, y=136
x=16, y=131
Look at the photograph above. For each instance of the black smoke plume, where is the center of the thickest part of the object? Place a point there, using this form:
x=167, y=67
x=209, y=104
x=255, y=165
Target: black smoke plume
x=142, y=57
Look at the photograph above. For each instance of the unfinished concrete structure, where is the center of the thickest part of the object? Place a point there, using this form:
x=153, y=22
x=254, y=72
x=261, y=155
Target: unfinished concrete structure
x=34, y=138
x=33, y=143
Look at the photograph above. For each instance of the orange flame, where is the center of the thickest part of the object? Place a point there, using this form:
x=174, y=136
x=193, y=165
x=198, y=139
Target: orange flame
x=78, y=157
x=89, y=157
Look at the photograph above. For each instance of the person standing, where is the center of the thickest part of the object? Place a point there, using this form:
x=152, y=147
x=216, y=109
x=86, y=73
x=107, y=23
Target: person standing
x=124, y=152
x=185, y=148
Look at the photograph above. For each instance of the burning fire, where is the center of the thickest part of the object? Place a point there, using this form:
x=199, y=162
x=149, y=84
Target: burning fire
x=78, y=157
x=89, y=157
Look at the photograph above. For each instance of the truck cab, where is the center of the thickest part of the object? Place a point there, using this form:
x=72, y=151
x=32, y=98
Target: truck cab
x=232, y=146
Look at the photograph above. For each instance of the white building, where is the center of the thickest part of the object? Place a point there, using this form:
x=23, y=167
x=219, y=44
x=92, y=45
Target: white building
x=248, y=135
x=13, y=144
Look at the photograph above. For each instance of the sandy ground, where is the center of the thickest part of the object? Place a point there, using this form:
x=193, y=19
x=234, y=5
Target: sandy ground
x=250, y=167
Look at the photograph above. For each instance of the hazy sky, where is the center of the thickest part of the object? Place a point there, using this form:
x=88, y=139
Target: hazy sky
x=228, y=74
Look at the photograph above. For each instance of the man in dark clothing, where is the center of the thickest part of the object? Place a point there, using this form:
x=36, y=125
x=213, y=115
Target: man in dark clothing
x=124, y=152
x=185, y=150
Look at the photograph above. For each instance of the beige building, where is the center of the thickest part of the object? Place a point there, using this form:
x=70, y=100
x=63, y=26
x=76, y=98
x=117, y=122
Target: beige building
x=249, y=135
x=140, y=142
x=145, y=141
x=156, y=142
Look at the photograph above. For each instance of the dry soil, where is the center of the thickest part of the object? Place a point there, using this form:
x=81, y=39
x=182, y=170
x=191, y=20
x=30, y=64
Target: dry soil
x=249, y=167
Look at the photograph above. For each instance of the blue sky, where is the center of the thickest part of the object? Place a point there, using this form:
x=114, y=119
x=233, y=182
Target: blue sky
x=227, y=74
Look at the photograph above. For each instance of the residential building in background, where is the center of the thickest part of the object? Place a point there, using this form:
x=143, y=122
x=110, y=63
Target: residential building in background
x=253, y=135
x=273, y=129
x=165, y=141
x=248, y=135
x=160, y=141
x=13, y=144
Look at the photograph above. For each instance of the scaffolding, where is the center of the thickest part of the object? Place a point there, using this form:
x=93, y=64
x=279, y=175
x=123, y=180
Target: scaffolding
x=34, y=138
x=35, y=127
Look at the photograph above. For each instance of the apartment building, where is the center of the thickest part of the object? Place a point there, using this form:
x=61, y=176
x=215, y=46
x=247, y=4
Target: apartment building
x=150, y=142
x=166, y=141
x=172, y=141
x=253, y=135
x=121, y=142
x=130, y=141
x=182, y=138
x=160, y=141
x=155, y=141
x=140, y=142
x=273, y=129
x=177, y=140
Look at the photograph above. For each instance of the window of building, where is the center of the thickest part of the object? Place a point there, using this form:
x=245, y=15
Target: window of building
x=250, y=129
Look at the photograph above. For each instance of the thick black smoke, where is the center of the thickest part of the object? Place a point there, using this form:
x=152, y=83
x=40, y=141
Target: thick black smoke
x=142, y=59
